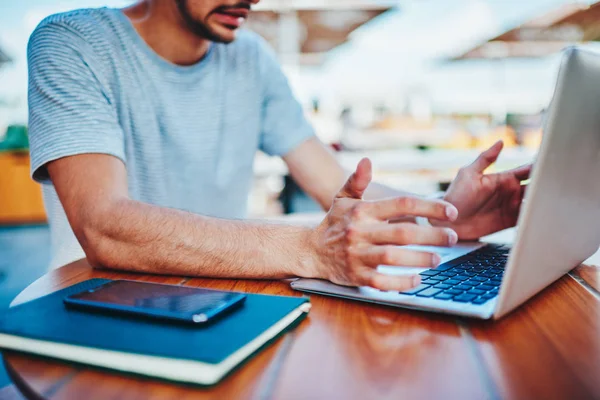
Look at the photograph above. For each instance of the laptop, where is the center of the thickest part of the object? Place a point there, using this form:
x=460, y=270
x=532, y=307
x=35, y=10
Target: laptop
x=558, y=229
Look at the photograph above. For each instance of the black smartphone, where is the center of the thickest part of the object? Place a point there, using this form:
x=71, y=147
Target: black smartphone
x=167, y=302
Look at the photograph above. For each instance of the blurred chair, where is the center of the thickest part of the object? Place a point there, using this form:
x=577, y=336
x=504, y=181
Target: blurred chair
x=20, y=197
x=16, y=139
x=295, y=200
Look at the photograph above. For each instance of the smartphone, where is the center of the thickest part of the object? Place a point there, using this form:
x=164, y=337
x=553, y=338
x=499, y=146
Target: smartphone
x=152, y=300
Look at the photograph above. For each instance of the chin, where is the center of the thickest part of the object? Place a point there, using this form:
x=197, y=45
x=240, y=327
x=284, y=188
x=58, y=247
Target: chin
x=225, y=37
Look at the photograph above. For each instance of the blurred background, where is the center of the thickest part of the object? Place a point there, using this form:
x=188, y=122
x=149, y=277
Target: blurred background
x=420, y=86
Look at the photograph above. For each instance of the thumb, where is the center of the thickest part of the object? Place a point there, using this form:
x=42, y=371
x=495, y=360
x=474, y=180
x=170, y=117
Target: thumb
x=357, y=183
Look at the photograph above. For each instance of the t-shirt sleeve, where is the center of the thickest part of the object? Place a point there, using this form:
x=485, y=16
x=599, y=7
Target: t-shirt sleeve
x=284, y=125
x=70, y=111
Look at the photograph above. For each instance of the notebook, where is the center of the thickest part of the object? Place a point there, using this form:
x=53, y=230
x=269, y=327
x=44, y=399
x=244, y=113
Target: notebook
x=192, y=354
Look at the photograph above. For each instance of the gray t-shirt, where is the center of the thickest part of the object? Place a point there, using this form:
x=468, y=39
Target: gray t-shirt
x=187, y=134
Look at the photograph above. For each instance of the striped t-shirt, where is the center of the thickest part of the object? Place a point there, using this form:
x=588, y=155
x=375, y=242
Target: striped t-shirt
x=187, y=134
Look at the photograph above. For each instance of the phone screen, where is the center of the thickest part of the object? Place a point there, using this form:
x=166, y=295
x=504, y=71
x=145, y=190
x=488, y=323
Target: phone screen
x=165, y=298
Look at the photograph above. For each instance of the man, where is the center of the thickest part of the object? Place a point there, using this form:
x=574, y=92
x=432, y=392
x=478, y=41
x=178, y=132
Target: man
x=146, y=121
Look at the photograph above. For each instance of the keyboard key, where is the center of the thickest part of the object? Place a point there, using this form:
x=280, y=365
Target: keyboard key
x=429, y=272
x=479, y=279
x=470, y=273
x=453, y=292
x=438, y=278
x=442, y=286
x=488, y=296
x=448, y=274
x=479, y=300
x=495, y=282
x=416, y=289
x=465, y=297
x=429, y=281
x=461, y=277
x=487, y=274
x=462, y=287
x=429, y=292
x=471, y=283
x=452, y=281
x=444, y=267
x=476, y=291
x=444, y=296
x=485, y=286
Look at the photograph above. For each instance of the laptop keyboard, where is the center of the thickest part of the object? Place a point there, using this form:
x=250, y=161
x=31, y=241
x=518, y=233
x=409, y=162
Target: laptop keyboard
x=473, y=278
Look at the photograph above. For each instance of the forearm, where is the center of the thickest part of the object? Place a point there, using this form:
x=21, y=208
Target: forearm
x=139, y=237
x=314, y=167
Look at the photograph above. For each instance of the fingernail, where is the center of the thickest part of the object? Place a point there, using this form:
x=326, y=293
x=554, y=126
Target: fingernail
x=451, y=213
x=436, y=259
x=452, y=237
x=416, y=280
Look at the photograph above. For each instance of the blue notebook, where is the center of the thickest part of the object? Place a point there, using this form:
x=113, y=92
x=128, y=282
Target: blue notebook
x=191, y=354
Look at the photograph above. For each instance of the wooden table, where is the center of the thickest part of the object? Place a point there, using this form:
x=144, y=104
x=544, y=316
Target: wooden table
x=547, y=349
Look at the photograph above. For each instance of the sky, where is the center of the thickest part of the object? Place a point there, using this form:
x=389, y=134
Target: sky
x=400, y=52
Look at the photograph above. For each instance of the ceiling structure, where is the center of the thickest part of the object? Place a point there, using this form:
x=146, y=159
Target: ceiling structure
x=544, y=35
x=312, y=28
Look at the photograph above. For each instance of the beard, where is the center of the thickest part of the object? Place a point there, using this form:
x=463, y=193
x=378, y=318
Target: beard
x=199, y=28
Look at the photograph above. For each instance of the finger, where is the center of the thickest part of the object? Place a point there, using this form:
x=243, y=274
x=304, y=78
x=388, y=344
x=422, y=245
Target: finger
x=522, y=173
x=357, y=183
x=412, y=206
x=377, y=280
x=523, y=191
x=397, y=256
x=487, y=158
x=407, y=233
x=514, y=209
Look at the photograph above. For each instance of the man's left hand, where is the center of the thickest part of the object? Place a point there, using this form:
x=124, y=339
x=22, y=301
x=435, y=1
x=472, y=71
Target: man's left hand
x=486, y=203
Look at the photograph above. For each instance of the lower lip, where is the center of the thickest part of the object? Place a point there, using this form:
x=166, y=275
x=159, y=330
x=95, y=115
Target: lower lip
x=229, y=20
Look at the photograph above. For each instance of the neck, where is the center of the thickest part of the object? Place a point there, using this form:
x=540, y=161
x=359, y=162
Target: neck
x=161, y=26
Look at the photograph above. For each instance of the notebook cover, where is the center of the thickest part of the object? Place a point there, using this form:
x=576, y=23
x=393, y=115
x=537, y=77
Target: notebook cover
x=48, y=319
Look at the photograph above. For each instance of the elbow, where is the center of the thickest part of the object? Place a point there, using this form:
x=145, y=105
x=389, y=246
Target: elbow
x=96, y=237
x=95, y=258
x=97, y=247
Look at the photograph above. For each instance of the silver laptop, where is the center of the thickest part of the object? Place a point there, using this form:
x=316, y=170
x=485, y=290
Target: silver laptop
x=558, y=229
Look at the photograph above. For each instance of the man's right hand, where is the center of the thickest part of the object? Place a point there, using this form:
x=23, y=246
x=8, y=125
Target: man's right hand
x=355, y=237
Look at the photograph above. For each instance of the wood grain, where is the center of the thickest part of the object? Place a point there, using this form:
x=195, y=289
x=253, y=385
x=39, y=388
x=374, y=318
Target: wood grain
x=548, y=348
x=590, y=274
x=352, y=350
x=50, y=379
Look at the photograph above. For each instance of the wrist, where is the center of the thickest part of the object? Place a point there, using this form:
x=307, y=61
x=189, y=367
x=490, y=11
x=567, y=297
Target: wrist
x=310, y=263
